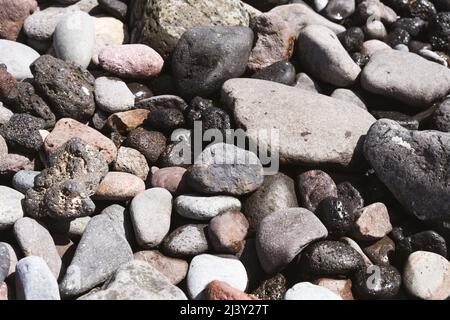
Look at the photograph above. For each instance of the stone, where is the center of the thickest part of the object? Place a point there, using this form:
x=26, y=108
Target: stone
x=219, y=290
x=150, y=143
x=349, y=96
x=131, y=61
x=66, y=129
x=205, y=268
x=12, y=163
x=377, y=9
x=372, y=222
x=112, y=95
x=173, y=268
x=131, y=161
x=277, y=240
x=277, y=192
x=63, y=190
x=166, y=101
x=370, y=47
x=4, y=292
x=352, y=39
x=301, y=137
x=309, y=291
x=413, y=165
x=439, y=28
x=342, y=287
x=186, y=241
x=116, y=8
x=429, y=241
x=109, y=31
x=161, y=23
x=375, y=29
x=170, y=178
x=204, y=208
x=10, y=207
x=125, y=122
x=120, y=216
x=22, y=133
x=305, y=82
x=335, y=216
x=119, y=186
x=101, y=251
x=337, y=10
x=8, y=261
x=273, y=288
x=319, y=46
x=377, y=282
x=282, y=72
x=17, y=57
x=313, y=187
x=227, y=232
x=3, y=147
x=225, y=168
x=166, y=120
x=35, y=281
x=405, y=77
x=209, y=114
x=441, y=116
x=13, y=15
x=140, y=91
x=381, y=252
x=7, y=81
x=5, y=114
x=205, y=57
x=358, y=249
x=150, y=214
x=67, y=87
x=74, y=38
x=35, y=240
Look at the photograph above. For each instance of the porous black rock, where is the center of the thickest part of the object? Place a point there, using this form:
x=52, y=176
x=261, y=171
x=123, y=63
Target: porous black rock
x=22, y=132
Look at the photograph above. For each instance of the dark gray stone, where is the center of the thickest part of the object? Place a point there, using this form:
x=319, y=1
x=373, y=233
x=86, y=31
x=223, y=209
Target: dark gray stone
x=282, y=72
x=377, y=282
x=150, y=143
x=22, y=132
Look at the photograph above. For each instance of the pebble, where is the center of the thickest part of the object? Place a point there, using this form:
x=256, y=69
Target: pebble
x=211, y=116
x=101, y=251
x=282, y=72
x=131, y=161
x=173, y=268
x=352, y=39
x=5, y=114
x=349, y=96
x=377, y=282
x=186, y=241
x=119, y=186
x=439, y=27
x=404, y=120
x=372, y=222
x=35, y=281
x=204, y=208
x=13, y=15
x=219, y=290
x=411, y=165
x=150, y=143
x=140, y=91
x=131, y=61
x=150, y=214
x=10, y=207
x=137, y=280
x=301, y=139
x=4, y=292
x=305, y=82
x=319, y=46
x=342, y=287
x=166, y=120
x=66, y=129
x=227, y=232
x=226, y=49
x=116, y=8
x=313, y=187
x=370, y=47
x=170, y=178
x=428, y=240
x=112, y=95
x=277, y=240
x=11, y=163
x=376, y=8
x=74, y=38
x=358, y=249
x=67, y=87
x=225, y=168
x=109, y=31
x=309, y=291
x=273, y=288
x=17, y=57
x=8, y=261
x=335, y=216
x=414, y=26
x=375, y=29
x=381, y=252
x=3, y=147
x=205, y=268
x=22, y=133
x=125, y=122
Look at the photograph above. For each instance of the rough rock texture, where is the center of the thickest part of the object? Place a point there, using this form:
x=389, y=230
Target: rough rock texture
x=219, y=290
x=13, y=15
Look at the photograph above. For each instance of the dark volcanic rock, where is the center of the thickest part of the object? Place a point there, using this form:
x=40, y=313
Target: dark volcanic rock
x=422, y=241
x=377, y=282
x=166, y=119
x=282, y=72
x=22, y=132
x=350, y=196
x=150, y=143
x=209, y=114
x=352, y=39
x=335, y=216
x=439, y=34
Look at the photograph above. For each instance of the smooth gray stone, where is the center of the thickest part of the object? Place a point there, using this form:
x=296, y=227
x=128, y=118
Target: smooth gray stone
x=17, y=57
x=24, y=180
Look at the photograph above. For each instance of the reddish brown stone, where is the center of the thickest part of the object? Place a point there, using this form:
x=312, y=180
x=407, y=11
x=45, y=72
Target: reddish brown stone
x=12, y=16
x=170, y=178
x=13, y=163
x=314, y=186
x=3, y=291
x=119, y=186
x=7, y=81
x=219, y=290
x=126, y=121
x=227, y=231
x=342, y=287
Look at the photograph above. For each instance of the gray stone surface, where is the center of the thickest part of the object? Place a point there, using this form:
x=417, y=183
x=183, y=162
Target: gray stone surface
x=204, y=208
x=18, y=58
x=112, y=95
x=309, y=291
x=24, y=180
x=186, y=241
x=8, y=261
x=10, y=207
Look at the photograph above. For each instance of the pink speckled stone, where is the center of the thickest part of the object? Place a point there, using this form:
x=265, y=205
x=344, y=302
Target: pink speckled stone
x=131, y=60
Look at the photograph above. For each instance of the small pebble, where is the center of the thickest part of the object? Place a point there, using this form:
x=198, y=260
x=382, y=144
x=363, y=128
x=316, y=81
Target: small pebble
x=377, y=282
x=186, y=241
x=309, y=291
x=205, y=208
x=372, y=222
x=119, y=186
x=227, y=231
x=313, y=187
x=10, y=207
x=131, y=161
x=112, y=95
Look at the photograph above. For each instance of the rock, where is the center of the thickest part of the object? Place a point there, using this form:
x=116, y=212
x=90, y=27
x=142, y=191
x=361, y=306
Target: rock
x=377, y=9
x=112, y=95
x=375, y=29
x=330, y=258
x=12, y=163
x=8, y=261
x=166, y=120
x=277, y=240
x=205, y=268
x=68, y=87
x=227, y=232
x=109, y=31
x=319, y=46
x=309, y=291
x=282, y=72
x=131, y=61
x=219, y=290
x=277, y=192
x=423, y=241
x=126, y=121
x=12, y=17
x=66, y=129
x=211, y=116
x=224, y=168
x=205, y=208
x=3, y=147
x=10, y=207
x=78, y=226
x=226, y=50
x=273, y=288
x=119, y=186
x=5, y=114
x=140, y=91
x=161, y=23
x=313, y=187
x=166, y=101
x=131, y=161
x=441, y=116
x=352, y=39
x=305, y=82
x=150, y=214
x=170, y=178
x=121, y=218
x=116, y=8
x=349, y=96
x=405, y=77
x=174, y=269
x=301, y=138
x=22, y=133
x=335, y=216
x=7, y=81
x=150, y=143
x=381, y=252
x=63, y=189
x=413, y=165
x=372, y=46
x=74, y=38
x=377, y=282
x=35, y=240
x=35, y=281
x=372, y=222
x=186, y=241
x=439, y=28
x=398, y=37
x=427, y=276
x=4, y=291
x=17, y=57
x=358, y=249
x=100, y=252
x=342, y=287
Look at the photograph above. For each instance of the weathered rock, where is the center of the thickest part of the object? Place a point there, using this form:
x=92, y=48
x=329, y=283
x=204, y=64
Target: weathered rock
x=119, y=186
x=186, y=241
x=109, y=31
x=126, y=121
x=112, y=95
x=342, y=287
x=8, y=261
x=10, y=207
x=423, y=241
x=150, y=143
x=170, y=178
x=13, y=15
x=204, y=208
x=313, y=187
x=227, y=232
x=22, y=132
x=219, y=290
x=131, y=161
x=17, y=57
x=381, y=252
x=377, y=282
x=372, y=222
x=273, y=288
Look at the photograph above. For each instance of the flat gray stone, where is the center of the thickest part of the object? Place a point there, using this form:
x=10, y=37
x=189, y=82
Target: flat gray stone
x=24, y=180
x=186, y=241
x=10, y=207
x=350, y=96
x=112, y=95
x=204, y=208
x=17, y=57
x=120, y=216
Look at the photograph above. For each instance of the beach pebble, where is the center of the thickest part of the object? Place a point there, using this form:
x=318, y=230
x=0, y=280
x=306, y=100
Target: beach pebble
x=17, y=57
x=309, y=291
x=10, y=207
x=119, y=186
x=227, y=231
x=131, y=161
x=112, y=95
x=372, y=222
x=186, y=241
x=204, y=208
